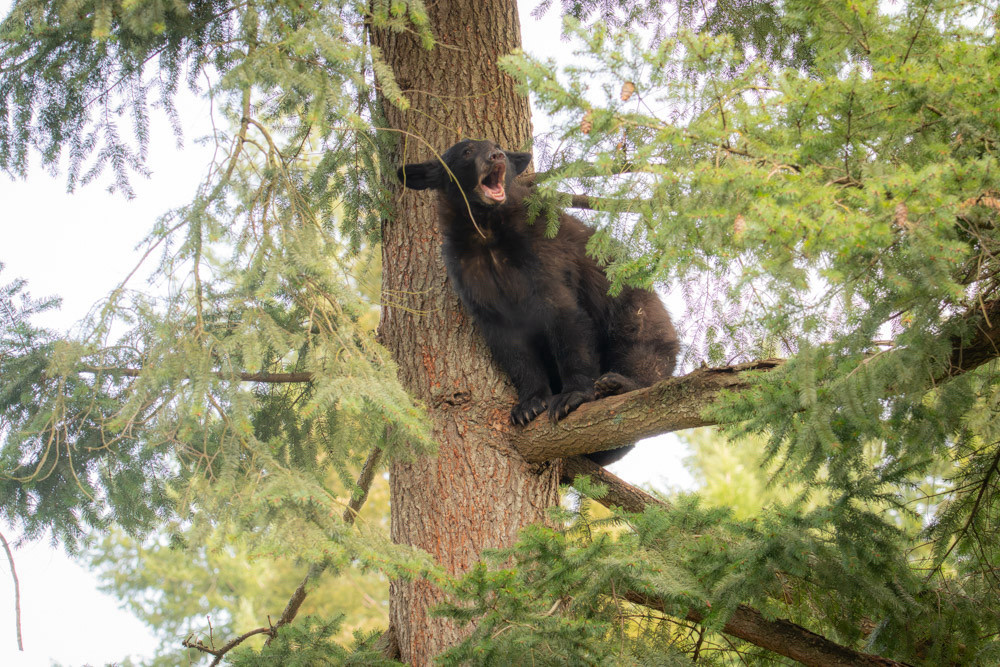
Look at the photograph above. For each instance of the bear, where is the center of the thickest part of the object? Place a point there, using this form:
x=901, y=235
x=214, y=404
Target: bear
x=541, y=302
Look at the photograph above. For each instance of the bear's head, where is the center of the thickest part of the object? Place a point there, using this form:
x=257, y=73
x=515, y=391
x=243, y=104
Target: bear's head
x=470, y=173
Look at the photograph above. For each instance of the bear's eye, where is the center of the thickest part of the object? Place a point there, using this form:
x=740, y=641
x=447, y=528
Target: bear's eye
x=467, y=152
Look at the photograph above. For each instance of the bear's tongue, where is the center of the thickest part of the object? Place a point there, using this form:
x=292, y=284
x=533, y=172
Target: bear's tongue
x=493, y=183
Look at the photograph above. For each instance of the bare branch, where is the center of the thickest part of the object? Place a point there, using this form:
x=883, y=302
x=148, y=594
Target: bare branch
x=780, y=636
x=228, y=646
x=17, y=592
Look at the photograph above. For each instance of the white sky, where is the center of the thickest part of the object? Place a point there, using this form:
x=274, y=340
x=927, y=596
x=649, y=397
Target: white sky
x=80, y=246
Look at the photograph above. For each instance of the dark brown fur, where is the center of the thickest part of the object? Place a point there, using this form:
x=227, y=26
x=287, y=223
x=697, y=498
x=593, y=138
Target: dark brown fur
x=541, y=303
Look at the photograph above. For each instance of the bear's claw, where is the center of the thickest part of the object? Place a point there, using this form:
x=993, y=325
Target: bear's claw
x=525, y=411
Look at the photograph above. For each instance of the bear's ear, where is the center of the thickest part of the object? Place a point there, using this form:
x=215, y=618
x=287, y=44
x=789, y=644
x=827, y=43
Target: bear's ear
x=420, y=175
x=519, y=160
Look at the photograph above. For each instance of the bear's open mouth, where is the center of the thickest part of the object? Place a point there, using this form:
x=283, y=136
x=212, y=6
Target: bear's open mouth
x=493, y=183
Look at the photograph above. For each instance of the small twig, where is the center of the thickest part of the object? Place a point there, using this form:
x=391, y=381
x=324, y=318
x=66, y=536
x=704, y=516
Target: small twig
x=916, y=32
x=697, y=646
x=219, y=652
x=994, y=466
x=275, y=378
x=17, y=592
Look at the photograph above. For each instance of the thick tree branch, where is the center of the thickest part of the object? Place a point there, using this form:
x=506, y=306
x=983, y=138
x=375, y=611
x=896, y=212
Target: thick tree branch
x=620, y=493
x=780, y=636
x=678, y=403
x=616, y=421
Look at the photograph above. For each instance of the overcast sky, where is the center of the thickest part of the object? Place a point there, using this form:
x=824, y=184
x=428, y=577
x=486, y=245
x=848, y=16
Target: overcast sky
x=80, y=246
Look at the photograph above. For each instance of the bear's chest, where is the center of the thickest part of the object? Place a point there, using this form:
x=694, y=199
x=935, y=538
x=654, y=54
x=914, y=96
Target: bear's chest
x=497, y=280
x=489, y=271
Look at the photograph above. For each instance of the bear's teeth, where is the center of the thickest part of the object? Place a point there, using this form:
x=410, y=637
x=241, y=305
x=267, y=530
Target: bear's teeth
x=492, y=183
x=496, y=192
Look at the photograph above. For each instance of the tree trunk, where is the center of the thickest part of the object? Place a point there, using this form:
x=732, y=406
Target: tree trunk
x=478, y=492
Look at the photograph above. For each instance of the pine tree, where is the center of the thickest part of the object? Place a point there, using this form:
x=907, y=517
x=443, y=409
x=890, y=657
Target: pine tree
x=817, y=179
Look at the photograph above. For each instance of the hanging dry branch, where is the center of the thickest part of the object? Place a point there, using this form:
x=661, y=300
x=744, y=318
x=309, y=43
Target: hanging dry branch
x=17, y=592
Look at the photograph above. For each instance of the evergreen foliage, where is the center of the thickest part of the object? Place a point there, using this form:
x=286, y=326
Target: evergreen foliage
x=308, y=642
x=818, y=178
x=845, y=202
x=226, y=577
x=259, y=269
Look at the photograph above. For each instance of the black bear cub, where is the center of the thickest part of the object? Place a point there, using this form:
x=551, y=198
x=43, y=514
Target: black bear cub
x=541, y=303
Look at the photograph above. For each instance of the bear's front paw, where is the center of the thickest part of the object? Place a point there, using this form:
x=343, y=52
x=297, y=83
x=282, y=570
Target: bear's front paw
x=561, y=405
x=527, y=410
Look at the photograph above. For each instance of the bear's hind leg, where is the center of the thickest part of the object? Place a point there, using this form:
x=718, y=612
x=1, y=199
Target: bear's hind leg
x=562, y=404
x=612, y=384
x=610, y=456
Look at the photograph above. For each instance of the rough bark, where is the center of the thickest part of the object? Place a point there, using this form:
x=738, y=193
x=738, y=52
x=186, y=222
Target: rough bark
x=477, y=493
x=667, y=406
